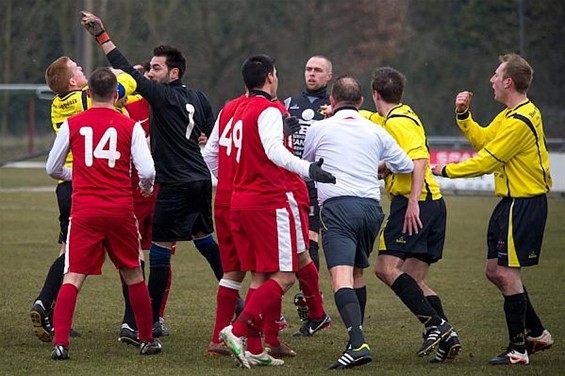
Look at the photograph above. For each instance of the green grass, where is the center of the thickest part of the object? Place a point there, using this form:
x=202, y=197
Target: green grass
x=29, y=229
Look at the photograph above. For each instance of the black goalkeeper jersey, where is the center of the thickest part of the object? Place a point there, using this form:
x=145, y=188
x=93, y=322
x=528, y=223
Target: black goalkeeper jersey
x=178, y=116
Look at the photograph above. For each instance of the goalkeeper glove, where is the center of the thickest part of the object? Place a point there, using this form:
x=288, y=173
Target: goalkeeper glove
x=94, y=26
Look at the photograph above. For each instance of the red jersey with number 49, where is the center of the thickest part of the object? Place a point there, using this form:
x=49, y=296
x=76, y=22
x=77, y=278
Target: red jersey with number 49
x=258, y=182
x=100, y=139
x=227, y=153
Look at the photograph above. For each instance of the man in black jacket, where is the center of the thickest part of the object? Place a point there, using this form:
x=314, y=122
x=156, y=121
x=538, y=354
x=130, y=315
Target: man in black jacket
x=179, y=115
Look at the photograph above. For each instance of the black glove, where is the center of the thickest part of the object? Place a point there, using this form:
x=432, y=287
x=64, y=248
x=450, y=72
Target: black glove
x=318, y=174
x=290, y=125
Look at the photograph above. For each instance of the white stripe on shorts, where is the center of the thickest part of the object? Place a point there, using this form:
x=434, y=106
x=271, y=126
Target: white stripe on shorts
x=300, y=243
x=284, y=240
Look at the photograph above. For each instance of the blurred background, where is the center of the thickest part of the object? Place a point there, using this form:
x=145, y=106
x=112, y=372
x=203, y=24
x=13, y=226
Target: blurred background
x=442, y=46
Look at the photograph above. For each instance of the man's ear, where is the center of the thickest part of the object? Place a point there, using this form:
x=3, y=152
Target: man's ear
x=360, y=103
x=332, y=101
x=174, y=74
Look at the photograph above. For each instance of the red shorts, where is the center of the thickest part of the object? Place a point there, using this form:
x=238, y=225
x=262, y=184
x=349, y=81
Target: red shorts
x=91, y=236
x=299, y=201
x=228, y=254
x=265, y=240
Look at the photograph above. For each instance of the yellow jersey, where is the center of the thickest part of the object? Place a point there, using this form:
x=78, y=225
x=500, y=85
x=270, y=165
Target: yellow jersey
x=76, y=101
x=512, y=147
x=405, y=127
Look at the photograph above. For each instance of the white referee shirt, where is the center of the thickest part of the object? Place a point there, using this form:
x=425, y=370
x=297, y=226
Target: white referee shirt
x=352, y=148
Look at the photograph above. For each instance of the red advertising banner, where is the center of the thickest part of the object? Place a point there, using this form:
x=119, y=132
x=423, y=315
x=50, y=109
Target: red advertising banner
x=450, y=156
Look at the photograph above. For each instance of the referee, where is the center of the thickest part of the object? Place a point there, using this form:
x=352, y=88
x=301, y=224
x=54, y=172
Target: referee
x=512, y=147
x=350, y=213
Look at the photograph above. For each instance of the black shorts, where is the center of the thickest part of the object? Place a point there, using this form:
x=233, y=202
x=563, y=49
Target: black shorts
x=182, y=211
x=64, y=192
x=350, y=226
x=314, y=214
x=515, y=231
x=427, y=244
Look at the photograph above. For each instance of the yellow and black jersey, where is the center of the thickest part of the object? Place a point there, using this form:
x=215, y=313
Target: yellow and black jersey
x=406, y=128
x=512, y=147
x=375, y=117
x=76, y=101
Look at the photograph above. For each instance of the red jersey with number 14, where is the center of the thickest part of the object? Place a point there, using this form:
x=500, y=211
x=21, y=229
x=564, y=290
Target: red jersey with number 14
x=100, y=139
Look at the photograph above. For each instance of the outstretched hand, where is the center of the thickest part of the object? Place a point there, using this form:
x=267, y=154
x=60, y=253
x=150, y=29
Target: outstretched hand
x=318, y=174
x=91, y=23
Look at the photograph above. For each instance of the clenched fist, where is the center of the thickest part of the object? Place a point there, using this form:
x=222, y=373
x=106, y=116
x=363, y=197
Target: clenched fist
x=463, y=101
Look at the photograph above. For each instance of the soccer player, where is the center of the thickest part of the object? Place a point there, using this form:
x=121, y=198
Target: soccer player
x=105, y=144
x=414, y=234
x=220, y=158
x=306, y=107
x=67, y=80
x=262, y=223
x=351, y=215
x=512, y=147
x=179, y=115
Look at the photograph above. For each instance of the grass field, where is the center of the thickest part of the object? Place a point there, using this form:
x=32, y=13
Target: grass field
x=29, y=226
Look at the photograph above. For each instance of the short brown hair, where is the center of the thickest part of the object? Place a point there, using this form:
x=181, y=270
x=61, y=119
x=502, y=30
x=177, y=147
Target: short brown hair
x=58, y=74
x=102, y=85
x=389, y=83
x=518, y=69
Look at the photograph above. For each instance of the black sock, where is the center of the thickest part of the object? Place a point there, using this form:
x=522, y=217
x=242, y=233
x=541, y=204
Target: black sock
x=362, y=298
x=348, y=306
x=208, y=248
x=435, y=302
x=159, y=265
x=515, y=312
x=407, y=289
x=315, y=253
x=533, y=323
x=53, y=282
x=129, y=317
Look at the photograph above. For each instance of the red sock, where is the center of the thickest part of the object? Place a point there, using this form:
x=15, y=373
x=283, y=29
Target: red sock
x=308, y=279
x=226, y=301
x=63, y=315
x=141, y=305
x=249, y=321
x=166, y=293
x=271, y=325
x=240, y=329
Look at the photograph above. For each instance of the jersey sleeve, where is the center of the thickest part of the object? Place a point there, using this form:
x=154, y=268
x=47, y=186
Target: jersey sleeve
x=126, y=85
x=55, y=165
x=402, y=130
x=211, y=150
x=509, y=141
x=375, y=117
x=142, y=159
x=271, y=133
x=477, y=135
